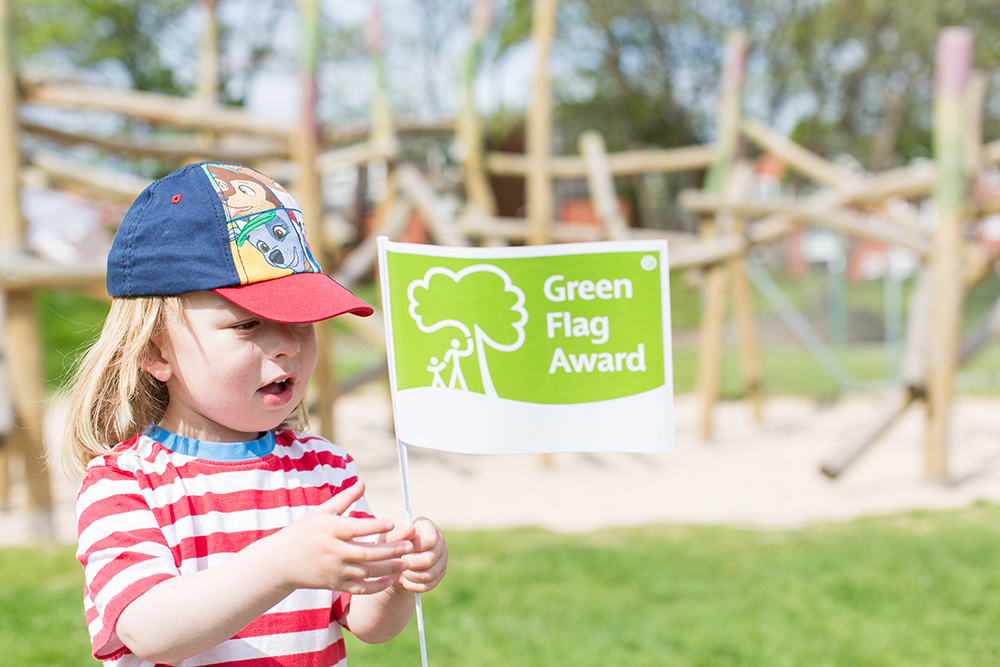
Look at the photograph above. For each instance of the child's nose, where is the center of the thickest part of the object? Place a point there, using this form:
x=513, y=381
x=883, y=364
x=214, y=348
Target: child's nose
x=284, y=340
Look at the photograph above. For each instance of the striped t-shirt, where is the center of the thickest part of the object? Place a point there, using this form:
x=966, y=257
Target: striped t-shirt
x=163, y=506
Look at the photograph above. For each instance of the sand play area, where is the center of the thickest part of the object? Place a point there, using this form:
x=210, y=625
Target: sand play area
x=764, y=476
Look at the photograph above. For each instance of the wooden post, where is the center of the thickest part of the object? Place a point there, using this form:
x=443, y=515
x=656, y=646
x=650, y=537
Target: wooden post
x=538, y=194
x=975, y=93
x=28, y=392
x=714, y=283
x=539, y=130
x=208, y=58
x=383, y=131
x=308, y=194
x=468, y=125
x=713, y=319
x=743, y=298
x=21, y=331
x=12, y=225
x=954, y=61
x=207, y=86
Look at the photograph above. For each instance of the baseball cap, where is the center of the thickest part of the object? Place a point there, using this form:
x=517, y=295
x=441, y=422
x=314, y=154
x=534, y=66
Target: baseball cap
x=229, y=229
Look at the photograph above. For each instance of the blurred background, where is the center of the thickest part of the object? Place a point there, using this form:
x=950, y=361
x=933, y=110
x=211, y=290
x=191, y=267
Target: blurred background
x=510, y=122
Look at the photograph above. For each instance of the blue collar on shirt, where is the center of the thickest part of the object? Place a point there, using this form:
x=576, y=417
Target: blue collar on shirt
x=219, y=452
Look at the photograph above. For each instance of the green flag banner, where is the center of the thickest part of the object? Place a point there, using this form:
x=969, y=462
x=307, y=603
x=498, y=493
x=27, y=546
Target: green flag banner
x=529, y=349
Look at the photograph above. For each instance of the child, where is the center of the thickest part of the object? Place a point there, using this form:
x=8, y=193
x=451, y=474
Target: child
x=210, y=528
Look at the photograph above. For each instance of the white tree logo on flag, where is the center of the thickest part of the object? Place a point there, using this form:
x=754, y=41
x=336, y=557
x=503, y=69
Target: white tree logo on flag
x=465, y=293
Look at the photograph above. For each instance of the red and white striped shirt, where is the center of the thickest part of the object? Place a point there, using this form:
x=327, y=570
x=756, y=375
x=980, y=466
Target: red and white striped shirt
x=163, y=506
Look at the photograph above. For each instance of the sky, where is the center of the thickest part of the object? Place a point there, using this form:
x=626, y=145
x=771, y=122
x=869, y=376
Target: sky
x=418, y=89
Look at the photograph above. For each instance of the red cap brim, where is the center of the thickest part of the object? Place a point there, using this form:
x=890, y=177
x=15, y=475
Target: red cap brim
x=296, y=299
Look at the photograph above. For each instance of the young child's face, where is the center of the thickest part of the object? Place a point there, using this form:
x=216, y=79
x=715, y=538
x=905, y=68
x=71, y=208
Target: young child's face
x=230, y=374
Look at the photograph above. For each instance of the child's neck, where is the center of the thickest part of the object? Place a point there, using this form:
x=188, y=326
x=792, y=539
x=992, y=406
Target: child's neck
x=196, y=427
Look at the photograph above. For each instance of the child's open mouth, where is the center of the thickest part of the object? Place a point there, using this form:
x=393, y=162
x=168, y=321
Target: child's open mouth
x=277, y=391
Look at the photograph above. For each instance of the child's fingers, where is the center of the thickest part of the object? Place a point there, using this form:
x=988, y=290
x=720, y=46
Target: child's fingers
x=354, y=551
x=351, y=529
x=426, y=534
x=422, y=581
x=429, y=560
x=341, y=502
x=401, y=532
x=366, y=586
x=374, y=570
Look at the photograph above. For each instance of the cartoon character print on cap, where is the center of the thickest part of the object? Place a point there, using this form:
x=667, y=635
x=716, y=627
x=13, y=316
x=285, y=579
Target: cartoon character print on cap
x=264, y=224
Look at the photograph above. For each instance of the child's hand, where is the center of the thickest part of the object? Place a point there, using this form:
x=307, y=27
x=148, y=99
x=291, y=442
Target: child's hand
x=427, y=564
x=321, y=549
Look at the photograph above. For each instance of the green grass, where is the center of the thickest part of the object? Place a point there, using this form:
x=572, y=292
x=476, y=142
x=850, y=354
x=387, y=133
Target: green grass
x=69, y=324
x=919, y=589
x=914, y=589
x=787, y=371
x=41, y=608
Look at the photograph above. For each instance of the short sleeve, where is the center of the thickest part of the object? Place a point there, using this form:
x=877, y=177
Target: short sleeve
x=122, y=550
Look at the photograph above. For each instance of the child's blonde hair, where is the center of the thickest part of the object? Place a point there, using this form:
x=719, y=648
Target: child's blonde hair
x=112, y=397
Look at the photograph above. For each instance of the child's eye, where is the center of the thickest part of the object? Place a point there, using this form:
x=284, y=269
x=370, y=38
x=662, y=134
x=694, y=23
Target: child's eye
x=246, y=326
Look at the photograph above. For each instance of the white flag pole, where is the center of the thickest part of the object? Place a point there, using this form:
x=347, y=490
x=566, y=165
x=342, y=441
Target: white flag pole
x=404, y=462
x=404, y=471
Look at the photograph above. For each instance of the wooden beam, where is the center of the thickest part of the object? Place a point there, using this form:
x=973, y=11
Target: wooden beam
x=357, y=154
x=23, y=272
x=475, y=224
x=602, y=187
x=363, y=257
x=625, y=163
x=847, y=222
x=795, y=156
x=240, y=150
x=103, y=183
x=152, y=107
x=835, y=465
x=910, y=182
x=402, y=126
x=420, y=193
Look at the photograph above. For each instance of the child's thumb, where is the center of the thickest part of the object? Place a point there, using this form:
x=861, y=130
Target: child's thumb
x=343, y=499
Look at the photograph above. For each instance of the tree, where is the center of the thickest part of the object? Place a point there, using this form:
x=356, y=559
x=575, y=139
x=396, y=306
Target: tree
x=481, y=303
x=94, y=32
x=870, y=78
x=850, y=76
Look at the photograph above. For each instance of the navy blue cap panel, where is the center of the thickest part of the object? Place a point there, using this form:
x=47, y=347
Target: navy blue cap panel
x=172, y=240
